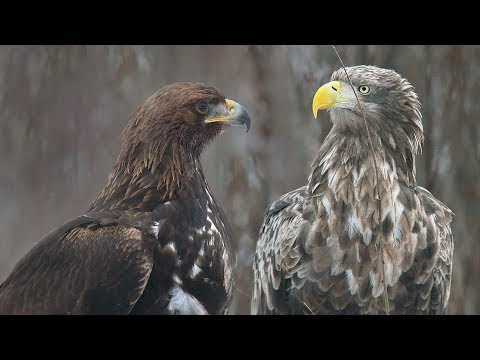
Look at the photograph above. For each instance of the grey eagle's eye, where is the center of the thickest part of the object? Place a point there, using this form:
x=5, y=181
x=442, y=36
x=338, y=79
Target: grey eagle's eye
x=364, y=89
x=202, y=107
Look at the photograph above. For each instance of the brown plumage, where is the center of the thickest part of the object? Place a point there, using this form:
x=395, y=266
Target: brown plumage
x=319, y=246
x=155, y=241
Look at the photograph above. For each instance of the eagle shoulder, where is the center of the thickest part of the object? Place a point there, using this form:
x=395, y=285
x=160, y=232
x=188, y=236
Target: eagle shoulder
x=431, y=271
x=94, y=264
x=280, y=255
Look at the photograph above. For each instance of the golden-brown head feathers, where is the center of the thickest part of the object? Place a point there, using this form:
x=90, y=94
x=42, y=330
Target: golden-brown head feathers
x=168, y=121
x=163, y=140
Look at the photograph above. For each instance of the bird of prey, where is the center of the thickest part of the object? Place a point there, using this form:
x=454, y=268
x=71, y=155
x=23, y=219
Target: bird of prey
x=155, y=241
x=321, y=247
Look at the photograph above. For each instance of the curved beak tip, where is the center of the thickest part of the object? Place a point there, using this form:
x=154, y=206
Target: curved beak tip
x=247, y=121
x=239, y=116
x=326, y=97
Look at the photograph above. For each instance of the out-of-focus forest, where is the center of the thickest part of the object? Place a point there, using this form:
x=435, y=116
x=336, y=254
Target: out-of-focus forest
x=63, y=108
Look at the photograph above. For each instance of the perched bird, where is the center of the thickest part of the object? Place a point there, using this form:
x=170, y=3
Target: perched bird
x=155, y=241
x=321, y=247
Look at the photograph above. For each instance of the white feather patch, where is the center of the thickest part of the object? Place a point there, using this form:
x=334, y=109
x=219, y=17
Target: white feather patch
x=227, y=275
x=212, y=226
x=171, y=246
x=177, y=279
x=352, y=226
x=352, y=283
x=367, y=236
x=326, y=204
x=155, y=228
x=386, y=212
x=355, y=177
x=385, y=170
x=397, y=232
x=195, y=270
x=184, y=303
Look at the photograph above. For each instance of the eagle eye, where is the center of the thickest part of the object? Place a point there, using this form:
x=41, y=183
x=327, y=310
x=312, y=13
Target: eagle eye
x=202, y=107
x=364, y=89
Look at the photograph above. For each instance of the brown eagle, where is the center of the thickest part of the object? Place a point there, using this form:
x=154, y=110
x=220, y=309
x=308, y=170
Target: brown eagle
x=319, y=248
x=155, y=241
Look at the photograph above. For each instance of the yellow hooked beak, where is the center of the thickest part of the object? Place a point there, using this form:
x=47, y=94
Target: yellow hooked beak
x=328, y=96
x=236, y=114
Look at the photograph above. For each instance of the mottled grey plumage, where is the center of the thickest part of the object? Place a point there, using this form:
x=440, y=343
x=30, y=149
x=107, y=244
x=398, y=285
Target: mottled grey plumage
x=318, y=250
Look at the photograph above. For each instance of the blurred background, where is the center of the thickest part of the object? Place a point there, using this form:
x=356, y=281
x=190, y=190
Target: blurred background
x=63, y=108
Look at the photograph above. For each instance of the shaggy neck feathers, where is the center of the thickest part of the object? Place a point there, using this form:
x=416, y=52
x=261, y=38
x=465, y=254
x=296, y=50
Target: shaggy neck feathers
x=343, y=174
x=151, y=170
x=395, y=143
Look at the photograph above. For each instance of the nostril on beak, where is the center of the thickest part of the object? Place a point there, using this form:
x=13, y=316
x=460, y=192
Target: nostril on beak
x=333, y=87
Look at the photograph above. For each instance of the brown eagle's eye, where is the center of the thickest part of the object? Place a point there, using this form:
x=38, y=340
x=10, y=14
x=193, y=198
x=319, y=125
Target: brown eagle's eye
x=202, y=107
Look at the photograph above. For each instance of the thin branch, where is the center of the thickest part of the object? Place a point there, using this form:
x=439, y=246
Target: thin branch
x=428, y=122
x=303, y=302
x=243, y=293
x=377, y=194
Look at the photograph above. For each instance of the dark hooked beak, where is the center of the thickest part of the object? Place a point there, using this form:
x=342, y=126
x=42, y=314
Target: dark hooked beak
x=236, y=115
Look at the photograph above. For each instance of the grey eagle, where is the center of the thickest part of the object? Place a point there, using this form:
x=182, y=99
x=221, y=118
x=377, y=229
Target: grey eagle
x=319, y=247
